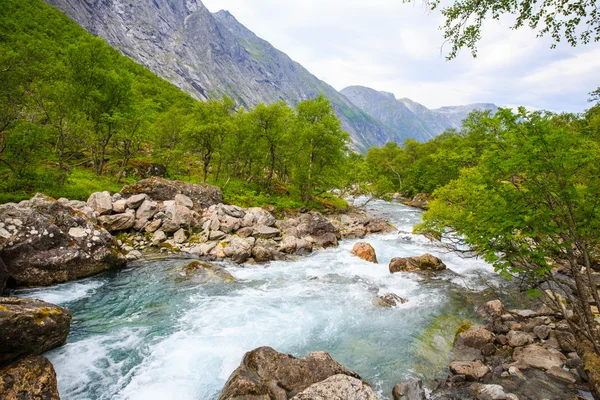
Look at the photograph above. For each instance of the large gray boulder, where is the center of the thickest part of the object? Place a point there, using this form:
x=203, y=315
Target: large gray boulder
x=32, y=378
x=46, y=242
x=160, y=189
x=117, y=222
x=101, y=202
x=315, y=224
x=29, y=326
x=267, y=374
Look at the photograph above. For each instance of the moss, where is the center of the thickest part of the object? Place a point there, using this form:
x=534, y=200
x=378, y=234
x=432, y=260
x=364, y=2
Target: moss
x=3, y=308
x=463, y=328
x=165, y=245
x=40, y=315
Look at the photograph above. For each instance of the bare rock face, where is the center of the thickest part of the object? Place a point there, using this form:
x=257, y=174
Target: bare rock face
x=160, y=189
x=29, y=326
x=32, y=378
x=365, y=251
x=49, y=242
x=426, y=262
x=270, y=375
x=338, y=387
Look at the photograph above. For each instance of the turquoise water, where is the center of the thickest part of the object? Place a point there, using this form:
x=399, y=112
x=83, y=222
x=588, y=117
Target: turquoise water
x=143, y=333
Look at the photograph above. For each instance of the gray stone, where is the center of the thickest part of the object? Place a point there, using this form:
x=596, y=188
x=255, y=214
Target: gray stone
x=183, y=200
x=489, y=392
x=147, y=210
x=119, y=206
x=536, y=356
x=265, y=232
x=542, y=331
x=101, y=202
x=472, y=370
x=153, y=226
x=411, y=389
x=475, y=337
x=136, y=200
x=561, y=375
x=518, y=338
x=158, y=237
x=338, y=387
x=216, y=235
x=179, y=236
x=117, y=222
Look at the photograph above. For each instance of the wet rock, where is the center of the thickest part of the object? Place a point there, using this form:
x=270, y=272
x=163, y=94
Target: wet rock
x=267, y=374
x=262, y=254
x=492, y=309
x=204, y=272
x=147, y=210
x=364, y=251
x=338, y=387
x=50, y=243
x=32, y=378
x=135, y=201
x=475, y=337
x=29, y=327
x=203, y=249
x=518, y=338
x=426, y=262
x=411, y=389
x=101, y=202
x=265, y=232
x=117, y=222
x=389, y=300
x=536, y=356
x=133, y=255
x=288, y=244
x=561, y=375
x=159, y=189
x=472, y=370
x=239, y=249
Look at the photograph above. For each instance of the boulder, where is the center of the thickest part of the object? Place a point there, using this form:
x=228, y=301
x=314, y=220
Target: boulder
x=288, y=244
x=542, y=331
x=204, y=272
x=136, y=200
x=489, y=392
x=257, y=216
x=101, y=202
x=338, y=387
x=536, y=356
x=238, y=212
x=315, y=224
x=389, y=300
x=411, y=389
x=179, y=236
x=183, y=200
x=262, y=254
x=158, y=237
x=476, y=337
x=421, y=200
x=117, y=222
x=492, y=309
x=518, y=338
x=230, y=224
x=265, y=232
x=177, y=217
x=119, y=206
x=32, y=378
x=147, y=210
x=160, y=189
x=29, y=327
x=472, y=370
x=153, y=226
x=3, y=277
x=49, y=243
x=426, y=262
x=239, y=249
x=267, y=374
x=364, y=251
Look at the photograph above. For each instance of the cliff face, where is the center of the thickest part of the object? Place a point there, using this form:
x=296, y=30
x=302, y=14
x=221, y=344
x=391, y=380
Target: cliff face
x=210, y=55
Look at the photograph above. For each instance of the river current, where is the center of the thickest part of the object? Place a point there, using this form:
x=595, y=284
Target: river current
x=143, y=333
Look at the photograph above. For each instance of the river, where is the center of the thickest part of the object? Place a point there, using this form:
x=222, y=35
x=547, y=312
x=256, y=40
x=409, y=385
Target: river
x=143, y=333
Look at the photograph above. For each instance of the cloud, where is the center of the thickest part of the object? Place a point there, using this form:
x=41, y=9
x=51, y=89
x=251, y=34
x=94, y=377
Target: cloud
x=395, y=47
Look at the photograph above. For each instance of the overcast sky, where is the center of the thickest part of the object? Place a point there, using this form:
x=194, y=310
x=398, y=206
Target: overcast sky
x=395, y=47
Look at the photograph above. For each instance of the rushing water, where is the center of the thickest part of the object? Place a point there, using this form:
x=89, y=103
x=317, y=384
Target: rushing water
x=143, y=333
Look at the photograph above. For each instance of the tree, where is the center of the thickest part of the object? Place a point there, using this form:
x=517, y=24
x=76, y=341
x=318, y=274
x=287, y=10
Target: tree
x=576, y=21
x=531, y=208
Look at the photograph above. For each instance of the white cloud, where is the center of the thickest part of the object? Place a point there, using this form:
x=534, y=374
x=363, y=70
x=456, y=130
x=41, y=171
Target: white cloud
x=393, y=46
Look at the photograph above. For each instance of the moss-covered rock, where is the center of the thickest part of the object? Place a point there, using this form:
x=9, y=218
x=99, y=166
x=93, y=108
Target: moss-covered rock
x=29, y=379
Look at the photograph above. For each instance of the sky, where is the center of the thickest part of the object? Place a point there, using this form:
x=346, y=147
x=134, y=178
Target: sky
x=396, y=47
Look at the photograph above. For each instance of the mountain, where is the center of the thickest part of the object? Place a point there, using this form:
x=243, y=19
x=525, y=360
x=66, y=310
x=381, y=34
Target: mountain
x=407, y=118
x=210, y=55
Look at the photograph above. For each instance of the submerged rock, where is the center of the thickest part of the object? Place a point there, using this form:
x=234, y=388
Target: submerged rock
x=389, y=300
x=32, y=378
x=267, y=374
x=49, y=243
x=338, y=387
x=364, y=251
x=205, y=272
x=426, y=262
x=29, y=326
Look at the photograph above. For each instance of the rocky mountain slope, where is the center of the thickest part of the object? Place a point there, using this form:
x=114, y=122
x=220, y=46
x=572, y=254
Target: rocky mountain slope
x=409, y=119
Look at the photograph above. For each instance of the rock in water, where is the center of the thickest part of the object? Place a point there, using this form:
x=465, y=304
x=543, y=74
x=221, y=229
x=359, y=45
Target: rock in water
x=29, y=326
x=205, y=272
x=268, y=374
x=49, y=242
x=160, y=189
x=389, y=300
x=32, y=378
x=338, y=387
x=409, y=390
x=426, y=262
x=365, y=251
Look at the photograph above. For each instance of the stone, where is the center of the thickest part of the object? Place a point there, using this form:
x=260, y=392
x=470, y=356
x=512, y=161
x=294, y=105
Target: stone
x=158, y=237
x=239, y=249
x=489, y=392
x=536, y=356
x=101, y=202
x=364, y=251
x=30, y=327
x=561, y=375
x=119, y=206
x=179, y=236
x=230, y=224
x=258, y=216
x=492, y=309
x=3, y=277
x=472, y=370
x=133, y=255
x=203, y=249
x=140, y=224
x=267, y=374
x=135, y=201
x=315, y=224
x=475, y=336
x=288, y=244
x=216, y=235
x=421, y=200
x=338, y=387
x=411, y=389
x=518, y=338
x=389, y=300
x=426, y=262
x=542, y=331
x=327, y=240
x=160, y=189
x=204, y=272
x=147, y=210
x=32, y=378
x=265, y=232
x=54, y=243
x=179, y=216
x=245, y=232
x=183, y=200
x=235, y=211
x=465, y=353
x=262, y=254
x=153, y=226
x=117, y=222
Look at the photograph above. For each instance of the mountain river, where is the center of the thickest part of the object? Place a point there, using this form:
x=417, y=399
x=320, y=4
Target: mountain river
x=144, y=333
